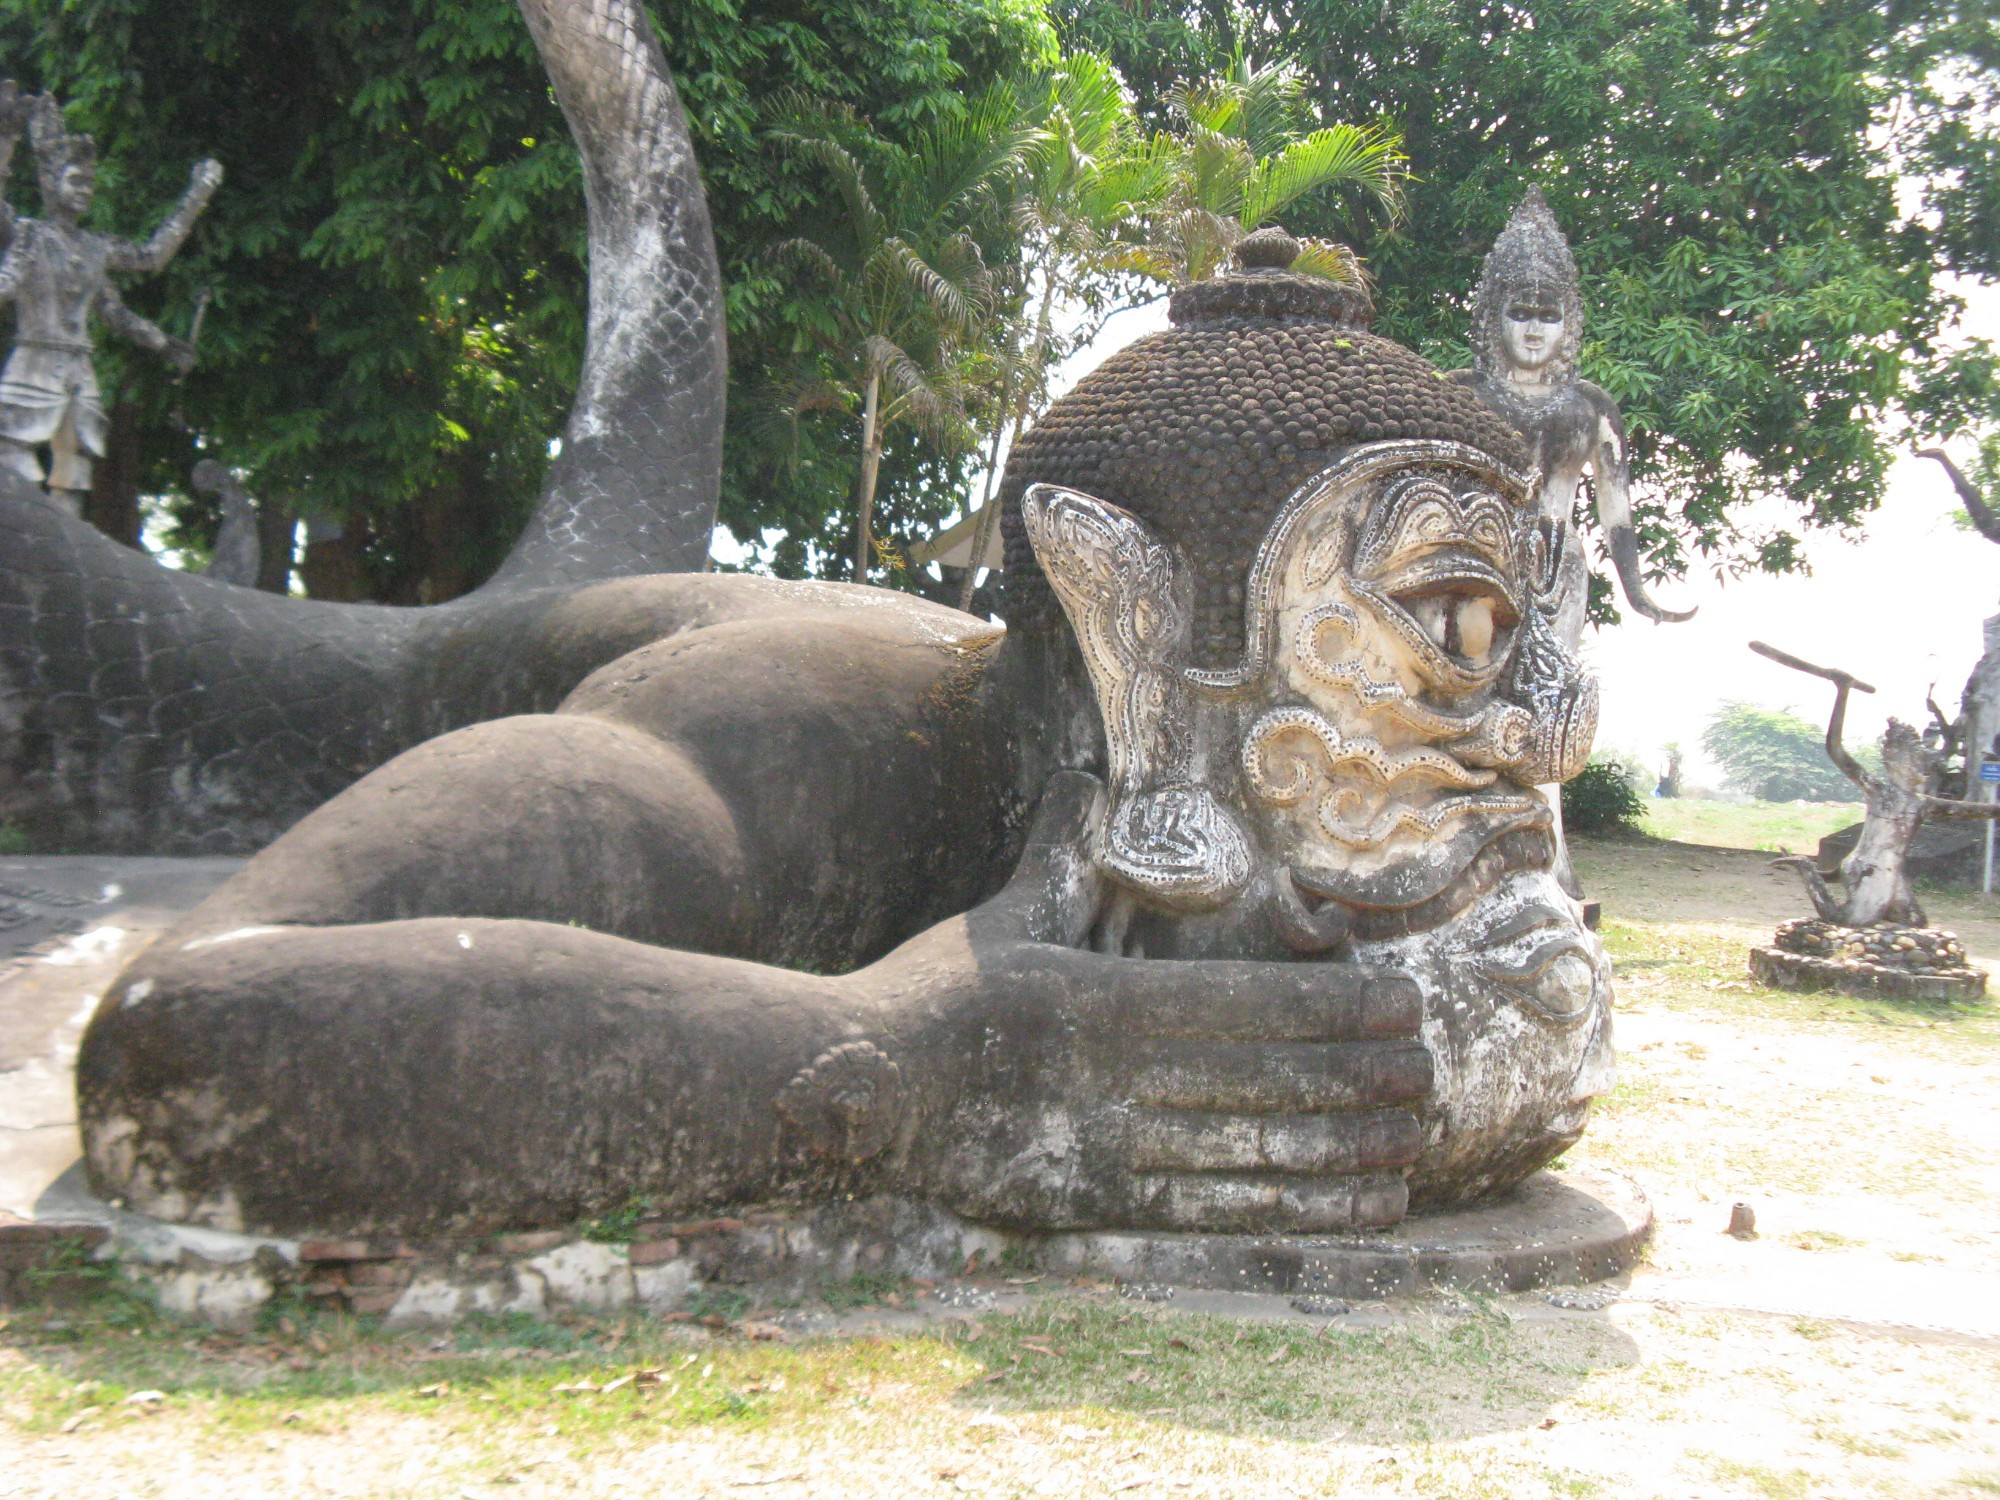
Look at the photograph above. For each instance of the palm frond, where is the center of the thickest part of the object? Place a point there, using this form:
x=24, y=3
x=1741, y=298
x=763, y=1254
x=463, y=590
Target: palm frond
x=1331, y=261
x=1369, y=157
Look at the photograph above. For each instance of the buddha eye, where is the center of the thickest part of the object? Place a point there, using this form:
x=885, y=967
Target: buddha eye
x=1545, y=966
x=1462, y=617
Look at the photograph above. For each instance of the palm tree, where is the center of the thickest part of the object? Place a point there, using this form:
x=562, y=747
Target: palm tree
x=1088, y=174
x=1240, y=158
x=908, y=297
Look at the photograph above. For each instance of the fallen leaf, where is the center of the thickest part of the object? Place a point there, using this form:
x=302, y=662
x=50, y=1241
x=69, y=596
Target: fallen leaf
x=577, y=1388
x=617, y=1385
x=765, y=1331
x=441, y=1388
x=1547, y=1423
x=1279, y=1356
x=145, y=1398
x=1034, y=1348
x=80, y=1418
x=1137, y=1353
x=1179, y=1343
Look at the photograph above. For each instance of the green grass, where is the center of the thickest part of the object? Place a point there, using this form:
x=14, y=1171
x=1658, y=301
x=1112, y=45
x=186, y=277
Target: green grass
x=1779, y=827
x=1102, y=1359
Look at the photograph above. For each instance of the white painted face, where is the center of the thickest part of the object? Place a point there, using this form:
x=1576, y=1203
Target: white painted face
x=1531, y=330
x=76, y=188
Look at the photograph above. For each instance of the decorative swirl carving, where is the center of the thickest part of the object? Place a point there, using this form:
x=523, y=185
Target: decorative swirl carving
x=1368, y=787
x=1561, y=699
x=1126, y=595
x=848, y=1103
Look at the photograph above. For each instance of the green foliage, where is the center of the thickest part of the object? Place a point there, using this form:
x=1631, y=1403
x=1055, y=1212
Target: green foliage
x=620, y=1226
x=1602, y=799
x=1774, y=755
x=1727, y=173
x=397, y=255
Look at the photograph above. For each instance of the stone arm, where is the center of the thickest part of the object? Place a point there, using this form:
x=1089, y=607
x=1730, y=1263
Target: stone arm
x=990, y=1065
x=147, y=334
x=1611, y=481
x=1983, y=518
x=12, y=266
x=1836, y=722
x=13, y=119
x=152, y=257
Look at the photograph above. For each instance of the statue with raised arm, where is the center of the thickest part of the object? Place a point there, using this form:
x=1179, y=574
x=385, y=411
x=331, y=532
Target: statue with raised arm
x=58, y=276
x=1527, y=329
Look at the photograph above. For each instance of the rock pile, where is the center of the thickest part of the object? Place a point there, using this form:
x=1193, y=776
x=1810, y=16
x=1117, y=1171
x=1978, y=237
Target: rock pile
x=1914, y=950
x=1903, y=963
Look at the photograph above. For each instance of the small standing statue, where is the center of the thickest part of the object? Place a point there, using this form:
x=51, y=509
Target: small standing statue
x=1877, y=936
x=1527, y=329
x=238, y=553
x=57, y=274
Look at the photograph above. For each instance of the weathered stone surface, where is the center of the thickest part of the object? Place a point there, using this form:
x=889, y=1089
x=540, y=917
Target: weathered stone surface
x=1798, y=971
x=835, y=894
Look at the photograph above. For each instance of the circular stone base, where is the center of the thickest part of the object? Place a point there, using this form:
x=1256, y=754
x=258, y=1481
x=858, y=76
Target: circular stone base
x=1556, y=1229
x=1783, y=970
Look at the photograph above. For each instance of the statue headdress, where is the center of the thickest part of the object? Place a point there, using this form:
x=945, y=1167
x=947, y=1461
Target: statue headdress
x=1530, y=254
x=56, y=146
x=1266, y=377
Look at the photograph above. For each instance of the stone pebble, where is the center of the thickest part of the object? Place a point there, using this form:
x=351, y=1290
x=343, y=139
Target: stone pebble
x=1916, y=950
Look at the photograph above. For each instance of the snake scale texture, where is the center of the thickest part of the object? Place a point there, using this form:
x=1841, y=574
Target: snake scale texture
x=147, y=710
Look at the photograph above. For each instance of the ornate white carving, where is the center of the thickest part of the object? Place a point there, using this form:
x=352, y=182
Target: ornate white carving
x=1127, y=599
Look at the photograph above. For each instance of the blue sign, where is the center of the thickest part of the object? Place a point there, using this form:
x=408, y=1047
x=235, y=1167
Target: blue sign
x=1989, y=770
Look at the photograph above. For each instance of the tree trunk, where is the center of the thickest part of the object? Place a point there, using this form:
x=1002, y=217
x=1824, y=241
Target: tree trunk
x=277, y=540
x=113, y=504
x=1980, y=709
x=332, y=567
x=871, y=462
x=989, y=515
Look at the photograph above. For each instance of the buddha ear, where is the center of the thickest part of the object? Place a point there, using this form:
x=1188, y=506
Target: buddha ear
x=1125, y=590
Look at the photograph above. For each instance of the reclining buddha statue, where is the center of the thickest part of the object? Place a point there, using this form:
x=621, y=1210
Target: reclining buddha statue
x=1214, y=893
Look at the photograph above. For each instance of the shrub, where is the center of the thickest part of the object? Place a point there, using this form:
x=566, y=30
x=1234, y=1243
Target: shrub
x=1602, y=799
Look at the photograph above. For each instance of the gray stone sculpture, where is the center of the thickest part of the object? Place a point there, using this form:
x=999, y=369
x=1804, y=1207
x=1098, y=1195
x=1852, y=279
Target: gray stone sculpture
x=1873, y=940
x=238, y=555
x=1212, y=894
x=1527, y=330
x=148, y=710
x=58, y=276
x=1978, y=727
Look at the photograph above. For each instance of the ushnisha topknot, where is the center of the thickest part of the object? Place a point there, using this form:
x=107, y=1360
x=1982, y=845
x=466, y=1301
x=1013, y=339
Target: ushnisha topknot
x=1265, y=378
x=1532, y=256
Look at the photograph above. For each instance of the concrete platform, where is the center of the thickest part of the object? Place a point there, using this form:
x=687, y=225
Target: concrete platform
x=68, y=924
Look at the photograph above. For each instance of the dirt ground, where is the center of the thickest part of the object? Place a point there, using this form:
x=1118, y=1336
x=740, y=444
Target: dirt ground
x=1852, y=1349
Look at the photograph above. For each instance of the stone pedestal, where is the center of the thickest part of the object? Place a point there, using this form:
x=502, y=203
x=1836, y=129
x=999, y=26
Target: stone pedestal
x=1800, y=971
x=1556, y=1229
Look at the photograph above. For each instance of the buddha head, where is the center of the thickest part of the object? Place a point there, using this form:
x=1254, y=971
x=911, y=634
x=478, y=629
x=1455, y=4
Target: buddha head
x=1312, y=594
x=1527, y=312
x=65, y=163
